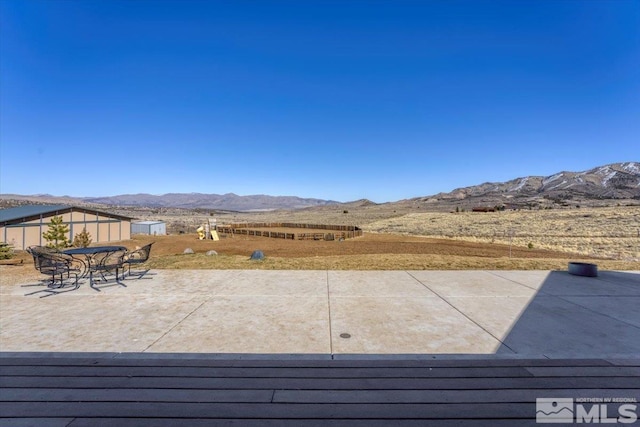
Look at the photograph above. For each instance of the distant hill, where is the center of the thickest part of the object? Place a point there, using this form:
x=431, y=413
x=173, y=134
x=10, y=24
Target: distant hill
x=613, y=181
x=608, y=182
x=229, y=201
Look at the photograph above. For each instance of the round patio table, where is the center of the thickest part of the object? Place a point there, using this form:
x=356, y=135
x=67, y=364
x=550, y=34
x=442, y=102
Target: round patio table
x=89, y=254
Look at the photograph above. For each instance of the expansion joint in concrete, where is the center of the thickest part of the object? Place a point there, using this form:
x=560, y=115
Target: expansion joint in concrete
x=329, y=314
x=460, y=311
x=176, y=325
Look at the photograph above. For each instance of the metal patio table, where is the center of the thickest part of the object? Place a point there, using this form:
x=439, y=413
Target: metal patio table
x=92, y=262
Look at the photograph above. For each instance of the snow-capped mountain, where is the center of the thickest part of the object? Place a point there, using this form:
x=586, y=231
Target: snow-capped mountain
x=614, y=181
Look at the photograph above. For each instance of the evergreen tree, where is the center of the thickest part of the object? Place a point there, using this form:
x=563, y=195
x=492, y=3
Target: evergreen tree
x=6, y=251
x=56, y=235
x=82, y=239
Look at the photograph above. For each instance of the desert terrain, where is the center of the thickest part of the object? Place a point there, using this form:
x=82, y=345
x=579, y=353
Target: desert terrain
x=601, y=232
x=395, y=239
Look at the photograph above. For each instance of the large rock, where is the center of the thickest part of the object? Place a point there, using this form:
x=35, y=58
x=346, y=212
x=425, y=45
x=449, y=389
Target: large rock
x=257, y=256
x=188, y=251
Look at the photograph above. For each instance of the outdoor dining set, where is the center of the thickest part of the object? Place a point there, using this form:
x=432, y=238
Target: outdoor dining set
x=102, y=265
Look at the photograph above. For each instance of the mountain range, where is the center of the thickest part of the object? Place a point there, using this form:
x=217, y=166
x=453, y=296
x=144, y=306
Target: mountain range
x=229, y=201
x=612, y=181
x=223, y=202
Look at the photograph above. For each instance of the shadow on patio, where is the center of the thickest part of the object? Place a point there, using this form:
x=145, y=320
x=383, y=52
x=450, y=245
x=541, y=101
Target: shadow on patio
x=573, y=316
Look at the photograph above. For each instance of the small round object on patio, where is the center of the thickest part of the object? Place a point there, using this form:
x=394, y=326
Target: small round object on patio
x=583, y=269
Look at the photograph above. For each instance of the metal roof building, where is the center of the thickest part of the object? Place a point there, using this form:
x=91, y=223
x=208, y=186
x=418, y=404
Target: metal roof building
x=23, y=226
x=152, y=228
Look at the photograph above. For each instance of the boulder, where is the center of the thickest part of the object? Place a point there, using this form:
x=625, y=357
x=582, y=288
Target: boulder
x=188, y=251
x=211, y=253
x=257, y=256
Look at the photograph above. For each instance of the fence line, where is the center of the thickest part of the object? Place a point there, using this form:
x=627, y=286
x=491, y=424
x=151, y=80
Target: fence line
x=250, y=229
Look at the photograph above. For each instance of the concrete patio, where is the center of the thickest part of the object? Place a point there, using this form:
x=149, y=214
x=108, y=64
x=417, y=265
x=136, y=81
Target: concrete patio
x=535, y=314
x=321, y=348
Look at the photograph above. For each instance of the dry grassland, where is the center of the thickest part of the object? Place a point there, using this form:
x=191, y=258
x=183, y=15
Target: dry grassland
x=405, y=240
x=611, y=232
x=365, y=262
x=600, y=232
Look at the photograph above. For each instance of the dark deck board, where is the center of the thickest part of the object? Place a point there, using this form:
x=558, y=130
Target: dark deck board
x=246, y=361
x=267, y=410
x=178, y=422
x=285, y=372
x=580, y=371
x=36, y=422
x=321, y=383
x=81, y=390
x=298, y=396
x=134, y=395
x=439, y=396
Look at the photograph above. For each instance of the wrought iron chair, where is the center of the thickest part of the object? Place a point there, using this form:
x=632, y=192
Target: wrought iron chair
x=58, y=266
x=35, y=252
x=107, y=263
x=137, y=257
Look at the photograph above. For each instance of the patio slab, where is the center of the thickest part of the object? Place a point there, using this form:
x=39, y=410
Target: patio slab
x=558, y=328
x=394, y=325
x=264, y=324
x=606, y=284
x=471, y=283
x=516, y=313
x=376, y=284
x=494, y=314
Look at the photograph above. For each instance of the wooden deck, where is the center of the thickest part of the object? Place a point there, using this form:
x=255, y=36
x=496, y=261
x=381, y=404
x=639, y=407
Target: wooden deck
x=63, y=389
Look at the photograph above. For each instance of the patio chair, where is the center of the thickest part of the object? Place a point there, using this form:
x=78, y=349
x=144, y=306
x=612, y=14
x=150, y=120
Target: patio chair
x=41, y=263
x=56, y=265
x=136, y=257
x=107, y=263
x=35, y=252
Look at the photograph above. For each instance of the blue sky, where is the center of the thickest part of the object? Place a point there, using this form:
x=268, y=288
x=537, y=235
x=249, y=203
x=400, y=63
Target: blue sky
x=339, y=100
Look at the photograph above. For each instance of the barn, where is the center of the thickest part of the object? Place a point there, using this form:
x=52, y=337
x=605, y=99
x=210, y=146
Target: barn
x=23, y=226
x=152, y=228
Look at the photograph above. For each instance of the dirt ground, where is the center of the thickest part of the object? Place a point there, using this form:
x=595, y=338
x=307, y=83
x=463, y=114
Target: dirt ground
x=368, y=244
x=372, y=251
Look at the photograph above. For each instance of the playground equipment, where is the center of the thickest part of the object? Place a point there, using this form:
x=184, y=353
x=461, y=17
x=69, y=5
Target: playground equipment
x=207, y=231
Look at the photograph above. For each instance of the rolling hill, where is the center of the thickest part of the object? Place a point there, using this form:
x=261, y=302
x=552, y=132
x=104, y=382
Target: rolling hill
x=617, y=181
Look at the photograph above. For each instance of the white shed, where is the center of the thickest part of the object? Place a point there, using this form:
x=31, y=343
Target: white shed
x=152, y=228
